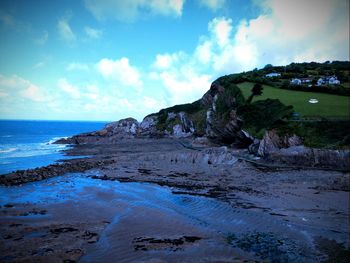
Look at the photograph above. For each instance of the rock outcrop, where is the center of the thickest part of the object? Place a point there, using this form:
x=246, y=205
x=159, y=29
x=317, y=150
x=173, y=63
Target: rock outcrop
x=289, y=150
x=214, y=116
x=304, y=156
x=272, y=142
x=148, y=125
x=125, y=128
x=184, y=127
x=223, y=125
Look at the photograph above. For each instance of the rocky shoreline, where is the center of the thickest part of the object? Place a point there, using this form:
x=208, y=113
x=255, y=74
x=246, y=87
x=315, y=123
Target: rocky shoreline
x=191, y=150
x=193, y=169
x=269, y=154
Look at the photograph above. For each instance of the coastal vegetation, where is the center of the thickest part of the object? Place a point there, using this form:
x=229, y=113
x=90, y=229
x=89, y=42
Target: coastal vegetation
x=328, y=106
x=268, y=99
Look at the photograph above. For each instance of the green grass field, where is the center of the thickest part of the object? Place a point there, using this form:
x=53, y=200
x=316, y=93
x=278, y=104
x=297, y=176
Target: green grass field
x=330, y=106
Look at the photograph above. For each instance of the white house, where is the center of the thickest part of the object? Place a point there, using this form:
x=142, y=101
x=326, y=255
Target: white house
x=331, y=80
x=295, y=81
x=320, y=82
x=273, y=74
x=306, y=80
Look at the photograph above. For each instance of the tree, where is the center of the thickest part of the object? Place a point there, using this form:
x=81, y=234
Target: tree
x=257, y=90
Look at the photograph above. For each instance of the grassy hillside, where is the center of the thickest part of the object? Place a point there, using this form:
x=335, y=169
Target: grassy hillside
x=324, y=124
x=329, y=105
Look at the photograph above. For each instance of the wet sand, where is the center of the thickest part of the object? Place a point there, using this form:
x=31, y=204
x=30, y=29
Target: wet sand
x=201, y=203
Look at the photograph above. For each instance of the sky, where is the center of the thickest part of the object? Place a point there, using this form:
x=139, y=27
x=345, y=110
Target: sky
x=111, y=59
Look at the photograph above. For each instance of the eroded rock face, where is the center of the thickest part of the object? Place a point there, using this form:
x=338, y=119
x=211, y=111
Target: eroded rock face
x=148, y=126
x=123, y=127
x=208, y=98
x=224, y=129
x=272, y=142
x=184, y=126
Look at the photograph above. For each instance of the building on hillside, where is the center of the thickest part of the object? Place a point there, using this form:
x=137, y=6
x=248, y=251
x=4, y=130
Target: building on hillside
x=295, y=81
x=333, y=81
x=306, y=80
x=328, y=80
x=273, y=74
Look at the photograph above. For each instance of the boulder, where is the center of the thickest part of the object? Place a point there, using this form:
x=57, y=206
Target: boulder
x=272, y=142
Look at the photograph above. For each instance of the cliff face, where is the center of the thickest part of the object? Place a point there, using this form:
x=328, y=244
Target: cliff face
x=219, y=116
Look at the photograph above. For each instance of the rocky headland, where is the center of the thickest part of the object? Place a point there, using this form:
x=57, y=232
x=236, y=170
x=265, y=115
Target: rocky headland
x=222, y=147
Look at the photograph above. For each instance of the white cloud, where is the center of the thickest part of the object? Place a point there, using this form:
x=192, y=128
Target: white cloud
x=16, y=86
x=296, y=31
x=221, y=29
x=164, y=61
x=34, y=93
x=68, y=88
x=152, y=103
x=213, y=4
x=183, y=84
x=65, y=31
x=121, y=72
x=76, y=66
x=203, y=52
x=131, y=9
x=43, y=38
x=92, y=93
x=284, y=32
x=92, y=32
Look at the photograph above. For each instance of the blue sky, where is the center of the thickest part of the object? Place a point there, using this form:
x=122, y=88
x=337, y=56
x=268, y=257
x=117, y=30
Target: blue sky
x=111, y=59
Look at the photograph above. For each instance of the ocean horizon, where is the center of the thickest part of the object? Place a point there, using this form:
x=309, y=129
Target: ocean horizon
x=26, y=144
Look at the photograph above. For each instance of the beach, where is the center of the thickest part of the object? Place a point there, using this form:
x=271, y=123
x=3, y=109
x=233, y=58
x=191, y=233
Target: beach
x=157, y=200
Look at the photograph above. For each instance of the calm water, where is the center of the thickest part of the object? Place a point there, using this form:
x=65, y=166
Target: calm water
x=28, y=144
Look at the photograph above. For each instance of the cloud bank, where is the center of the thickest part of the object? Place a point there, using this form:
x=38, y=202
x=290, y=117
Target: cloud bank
x=115, y=87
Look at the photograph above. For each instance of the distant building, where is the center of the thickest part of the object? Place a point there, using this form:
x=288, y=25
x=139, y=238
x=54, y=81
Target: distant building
x=333, y=81
x=328, y=80
x=306, y=80
x=273, y=74
x=320, y=82
x=295, y=81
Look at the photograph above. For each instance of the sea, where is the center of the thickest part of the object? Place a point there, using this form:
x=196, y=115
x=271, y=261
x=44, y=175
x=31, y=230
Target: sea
x=29, y=144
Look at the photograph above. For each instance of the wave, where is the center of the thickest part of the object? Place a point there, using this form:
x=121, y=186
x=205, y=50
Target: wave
x=3, y=163
x=8, y=150
x=55, y=139
x=31, y=149
x=6, y=136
